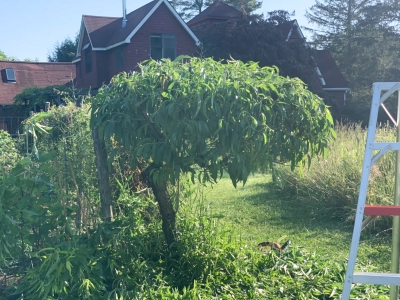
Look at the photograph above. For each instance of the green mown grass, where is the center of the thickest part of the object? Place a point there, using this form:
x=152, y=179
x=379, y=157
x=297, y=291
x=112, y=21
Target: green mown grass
x=257, y=212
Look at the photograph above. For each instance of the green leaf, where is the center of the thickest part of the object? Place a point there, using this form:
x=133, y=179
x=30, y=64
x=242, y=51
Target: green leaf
x=12, y=220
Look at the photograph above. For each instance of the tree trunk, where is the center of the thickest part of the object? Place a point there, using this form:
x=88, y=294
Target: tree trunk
x=167, y=211
x=103, y=175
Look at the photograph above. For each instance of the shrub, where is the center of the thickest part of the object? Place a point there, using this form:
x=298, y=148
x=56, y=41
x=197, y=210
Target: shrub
x=8, y=152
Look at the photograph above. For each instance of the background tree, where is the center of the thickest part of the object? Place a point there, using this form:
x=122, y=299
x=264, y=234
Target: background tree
x=338, y=27
x=248, y=6
x=3, y=56
x=34, y=98
x=362, y=37
x=278, y=17
x=205, y=118
x=64, y=52
x=269, y=47
x=188, y=9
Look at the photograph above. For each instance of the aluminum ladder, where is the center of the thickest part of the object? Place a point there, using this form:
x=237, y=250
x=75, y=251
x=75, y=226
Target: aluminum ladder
x=392, y=279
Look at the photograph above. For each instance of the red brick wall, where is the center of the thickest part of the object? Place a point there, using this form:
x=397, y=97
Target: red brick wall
x=84, y=79
x=162, y=21
x=101, y=62
x=112, y=62
x=104, y=63
x=78, y=75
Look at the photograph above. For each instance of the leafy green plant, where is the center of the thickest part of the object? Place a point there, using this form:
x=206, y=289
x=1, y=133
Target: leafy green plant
x=8, y=152
x=31, y=215
x=66, y=130
x=34, y=97
x=203, y=117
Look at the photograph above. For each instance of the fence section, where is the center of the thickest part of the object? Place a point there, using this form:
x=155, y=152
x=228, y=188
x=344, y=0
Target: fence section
x=11, y=124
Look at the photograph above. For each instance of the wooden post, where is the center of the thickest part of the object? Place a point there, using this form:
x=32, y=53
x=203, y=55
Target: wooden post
x=103, y=175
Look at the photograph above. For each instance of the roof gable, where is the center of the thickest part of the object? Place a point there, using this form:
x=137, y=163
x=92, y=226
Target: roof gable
x=292, y=32
x=330, y=71
x=217, y=10
x=99, y=29
x=106, y=32
x=31, y=74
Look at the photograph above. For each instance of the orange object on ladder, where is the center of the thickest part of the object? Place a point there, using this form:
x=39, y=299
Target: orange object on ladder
x=372, y=211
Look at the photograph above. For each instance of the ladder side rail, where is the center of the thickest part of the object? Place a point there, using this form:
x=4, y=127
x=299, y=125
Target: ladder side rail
x=363, y=191
x=395, y=87
x=385, y=86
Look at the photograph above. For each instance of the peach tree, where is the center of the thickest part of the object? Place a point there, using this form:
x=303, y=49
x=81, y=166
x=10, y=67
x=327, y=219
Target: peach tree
x=204, y=117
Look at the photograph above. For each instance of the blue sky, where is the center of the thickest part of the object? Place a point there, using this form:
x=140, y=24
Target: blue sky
x=31, y=28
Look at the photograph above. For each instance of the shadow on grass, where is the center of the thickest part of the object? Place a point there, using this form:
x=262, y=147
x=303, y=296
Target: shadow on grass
x=286, y=208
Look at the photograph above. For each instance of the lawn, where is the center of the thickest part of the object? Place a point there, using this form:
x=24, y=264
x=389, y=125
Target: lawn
x=258, y=212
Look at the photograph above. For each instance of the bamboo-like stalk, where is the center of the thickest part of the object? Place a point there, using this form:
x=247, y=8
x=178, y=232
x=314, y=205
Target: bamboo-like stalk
x=81, y=214
x=59, y=179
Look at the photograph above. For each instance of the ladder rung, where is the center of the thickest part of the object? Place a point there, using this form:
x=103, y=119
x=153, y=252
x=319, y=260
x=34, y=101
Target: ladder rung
x=378, y=210
x=377, y=278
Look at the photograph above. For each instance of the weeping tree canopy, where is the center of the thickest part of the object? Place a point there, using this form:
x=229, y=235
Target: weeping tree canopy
x=202, y=112
x=204, y=117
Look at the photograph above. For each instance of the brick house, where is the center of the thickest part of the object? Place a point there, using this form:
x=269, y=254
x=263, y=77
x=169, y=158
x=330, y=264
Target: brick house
x=110, y=45
x=332, y=80
x=18, y=75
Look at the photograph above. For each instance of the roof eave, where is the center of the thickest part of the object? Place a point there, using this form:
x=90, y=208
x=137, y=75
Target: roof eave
x=111, y=46
x=80, y=41
x=81, y=35
x=296, y=25
x=339, y=89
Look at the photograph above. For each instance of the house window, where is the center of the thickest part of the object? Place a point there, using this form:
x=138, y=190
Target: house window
x=88, y=60
x=8, y=75
x=119, y=56
x=162, y=46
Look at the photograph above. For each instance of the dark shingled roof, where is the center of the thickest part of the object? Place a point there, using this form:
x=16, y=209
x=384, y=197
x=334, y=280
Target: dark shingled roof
x=286, y=27
x=329, y=70
x=31, y=74
x=217, y=10
x=107, y=31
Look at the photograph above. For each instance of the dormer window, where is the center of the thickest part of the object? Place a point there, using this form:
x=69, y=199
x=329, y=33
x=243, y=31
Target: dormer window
x=8, y=75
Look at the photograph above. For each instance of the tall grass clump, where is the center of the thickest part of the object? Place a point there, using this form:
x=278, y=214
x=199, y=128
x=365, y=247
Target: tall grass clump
x=331, y=185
